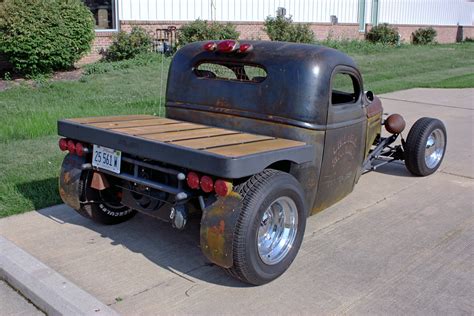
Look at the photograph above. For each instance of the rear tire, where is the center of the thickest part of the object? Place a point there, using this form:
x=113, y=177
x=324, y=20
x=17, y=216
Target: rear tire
x=270, y=228
x=104, y=212
x=425, y=146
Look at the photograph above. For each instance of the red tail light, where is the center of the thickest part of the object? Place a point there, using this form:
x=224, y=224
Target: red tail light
x=207, y=185
x=63, y=144
x=222, y=188
x=71, y=147
x=193, y=180
x=227, y=46
x=210, y=46
x=245, y=48
x=80, y=149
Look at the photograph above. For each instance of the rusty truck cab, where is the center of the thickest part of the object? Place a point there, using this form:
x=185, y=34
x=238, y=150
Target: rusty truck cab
x=302, y=92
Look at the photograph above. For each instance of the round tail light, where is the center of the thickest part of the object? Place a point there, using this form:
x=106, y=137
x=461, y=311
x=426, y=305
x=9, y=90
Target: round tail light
x=79, y=149
x=63, y=144
x=207, y=185
x=222, y=188
x=71, y=147
x=193, y=180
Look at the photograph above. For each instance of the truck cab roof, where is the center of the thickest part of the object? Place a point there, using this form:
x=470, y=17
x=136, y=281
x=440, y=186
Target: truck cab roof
x=276, y=81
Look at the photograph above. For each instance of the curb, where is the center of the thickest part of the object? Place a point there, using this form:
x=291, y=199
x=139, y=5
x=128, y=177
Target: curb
x=47, y=289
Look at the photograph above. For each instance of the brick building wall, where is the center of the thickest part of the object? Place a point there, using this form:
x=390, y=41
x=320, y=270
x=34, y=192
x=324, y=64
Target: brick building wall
x=254, y=30
x=101, y=42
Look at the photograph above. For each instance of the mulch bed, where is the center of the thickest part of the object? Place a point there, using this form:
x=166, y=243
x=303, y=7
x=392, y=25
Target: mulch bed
x=17, y=80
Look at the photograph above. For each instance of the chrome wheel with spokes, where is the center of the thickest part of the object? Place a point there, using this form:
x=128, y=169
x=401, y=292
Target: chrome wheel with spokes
x=277, y=232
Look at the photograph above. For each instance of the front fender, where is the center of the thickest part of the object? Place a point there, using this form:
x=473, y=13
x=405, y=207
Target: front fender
x=70, y=187
x=217, y=229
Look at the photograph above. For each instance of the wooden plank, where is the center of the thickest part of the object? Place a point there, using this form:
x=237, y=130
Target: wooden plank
x=219, y=141
x=191, y=134
x=134, y=123
x=149, y=131
x=117, y=118
x=255, y=148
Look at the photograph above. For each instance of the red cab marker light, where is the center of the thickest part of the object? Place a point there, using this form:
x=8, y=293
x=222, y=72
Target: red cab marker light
x=227, y=46
x=245, y=48
x=63, y=144
x=193, y=180
x=210, y=46
x=207, y=185
x=71, y=147
x=222, y=188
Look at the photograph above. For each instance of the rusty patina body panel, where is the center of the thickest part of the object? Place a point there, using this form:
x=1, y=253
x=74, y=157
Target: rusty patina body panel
x=293, y=102
x=70, y=188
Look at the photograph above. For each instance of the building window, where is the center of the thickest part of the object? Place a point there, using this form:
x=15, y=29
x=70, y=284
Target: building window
x=105, y=14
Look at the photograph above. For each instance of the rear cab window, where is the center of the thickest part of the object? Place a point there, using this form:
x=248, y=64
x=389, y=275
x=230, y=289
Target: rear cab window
x=239, y=72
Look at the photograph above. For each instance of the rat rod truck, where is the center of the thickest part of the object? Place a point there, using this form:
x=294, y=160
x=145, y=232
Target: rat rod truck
x=257, y=137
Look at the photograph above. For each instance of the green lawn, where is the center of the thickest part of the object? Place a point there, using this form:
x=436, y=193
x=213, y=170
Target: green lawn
x=30, y=160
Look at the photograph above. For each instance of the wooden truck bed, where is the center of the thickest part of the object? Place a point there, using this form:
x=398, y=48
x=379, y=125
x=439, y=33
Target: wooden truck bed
x=218, y=151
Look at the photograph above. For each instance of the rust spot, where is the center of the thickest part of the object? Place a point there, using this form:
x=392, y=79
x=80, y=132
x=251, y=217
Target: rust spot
x=67, y=177
x=374, y=108
x=223, y=103
x=217, y=229
x=216, y=239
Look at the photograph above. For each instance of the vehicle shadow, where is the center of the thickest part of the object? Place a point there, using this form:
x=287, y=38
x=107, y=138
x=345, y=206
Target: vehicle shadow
x=396, y=168
x=176, y=251
x=41, y=193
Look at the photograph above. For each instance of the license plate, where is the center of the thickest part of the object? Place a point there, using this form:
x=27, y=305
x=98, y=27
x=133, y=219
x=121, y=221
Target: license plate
x=106, y=158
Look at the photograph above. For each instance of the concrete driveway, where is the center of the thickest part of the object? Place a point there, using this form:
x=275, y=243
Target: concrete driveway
x=397, y=245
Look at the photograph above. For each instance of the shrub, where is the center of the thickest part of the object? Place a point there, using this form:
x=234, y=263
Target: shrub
x=281, y=28
x=383, y=33
x=40, y=36
x=128, y=45
x=201, y=30
x=424, y=36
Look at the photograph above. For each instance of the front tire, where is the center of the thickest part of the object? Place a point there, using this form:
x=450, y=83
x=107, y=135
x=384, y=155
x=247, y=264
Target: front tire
x=425, y=146
x=270, y=228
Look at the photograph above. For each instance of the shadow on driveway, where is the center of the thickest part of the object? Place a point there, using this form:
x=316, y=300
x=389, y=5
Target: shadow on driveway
x=176, y=251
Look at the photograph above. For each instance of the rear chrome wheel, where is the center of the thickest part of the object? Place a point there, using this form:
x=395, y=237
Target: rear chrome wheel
x=270, y=227
x=277, y=232
x=425, y=146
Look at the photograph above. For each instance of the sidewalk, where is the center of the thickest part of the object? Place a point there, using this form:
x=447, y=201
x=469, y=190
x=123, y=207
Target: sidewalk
x=397, y=245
